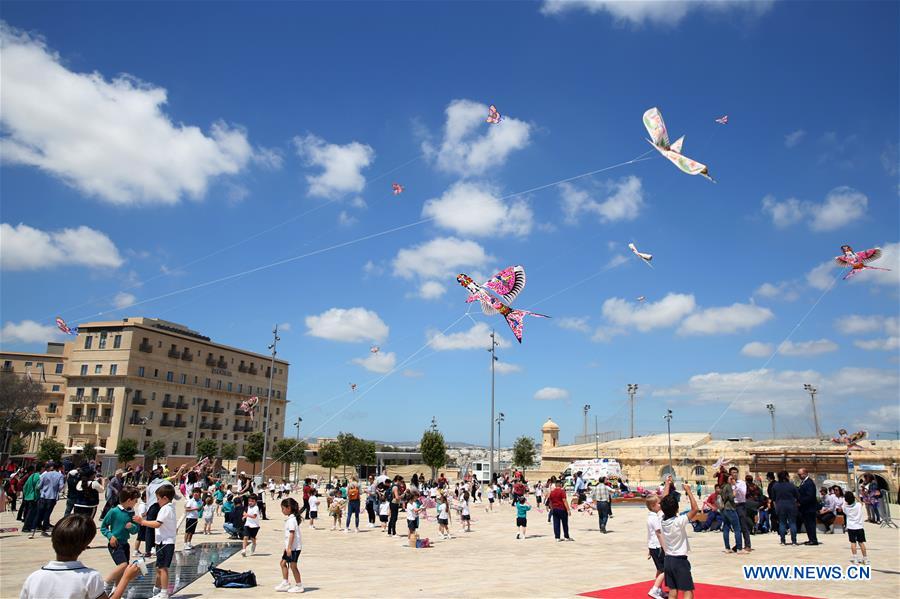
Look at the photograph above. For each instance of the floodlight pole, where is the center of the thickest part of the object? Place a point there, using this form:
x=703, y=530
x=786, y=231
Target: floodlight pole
x=268, y=414
x=632, y=390
x=494, y=358
x=771, y=408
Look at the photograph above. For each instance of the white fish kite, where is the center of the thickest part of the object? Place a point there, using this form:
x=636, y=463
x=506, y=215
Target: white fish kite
x=646, y=258
x=722, y=120
x=659, y=139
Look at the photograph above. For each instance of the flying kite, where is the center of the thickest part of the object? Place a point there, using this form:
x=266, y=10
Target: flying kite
x=645, y=257
x=849, y=440
x=720, y=462
x=493, y=115
x=353, y=386
x=61, y=324
x=398, y=189
x=723, y=120
x=508, y=283
x=374, y=349
x=855, y=261
x=641, y=298
x=248, y=406
x=659, y=139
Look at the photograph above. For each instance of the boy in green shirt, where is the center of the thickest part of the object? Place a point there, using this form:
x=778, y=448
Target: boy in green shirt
x=117, y=527
x=30, y=496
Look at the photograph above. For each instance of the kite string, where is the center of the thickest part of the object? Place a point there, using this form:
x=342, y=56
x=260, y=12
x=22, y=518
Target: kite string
x=774, y=353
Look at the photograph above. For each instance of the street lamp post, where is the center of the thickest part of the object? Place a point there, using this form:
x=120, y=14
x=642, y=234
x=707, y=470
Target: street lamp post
x=494, y=358
x=268, y=410
x=297, y=464
x=587, y=408
x=500, y=418
x=771, y=408
x=668, y=418
x=812, y=395
x=632, y=390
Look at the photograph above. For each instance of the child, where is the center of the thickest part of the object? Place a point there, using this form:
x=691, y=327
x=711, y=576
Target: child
x=384, y=510
x=219, y=496
x=234, y=518
x=227, y=505
x=117, y=527
x=68, y=578
x=654, y=545
x=251, y=525
x=209, y=510
x=166, y=529
x=465, y=513
x=292, y=546
x=522, y=508
x=853, y=515
x=141, y=510
x=192, y=509
x=313, y=507
x=413, y=507
x=443, y=516
x=337, y=504
x=490, y=498
x=676, y=566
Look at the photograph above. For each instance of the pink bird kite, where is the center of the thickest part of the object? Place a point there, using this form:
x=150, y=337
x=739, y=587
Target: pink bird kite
x=849, y=440
x=493, y=115
x=508, y=283
x=398, y=189
x=248, y=406
x=857, y=261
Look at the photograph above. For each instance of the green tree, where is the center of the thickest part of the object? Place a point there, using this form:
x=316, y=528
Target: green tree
x=126, y=450
x=330, y=456
x=50, y=449
x=355, y=451
x=156, y=451
x=524, y=452
x=253, y=448
x=207, y=448
x=88, y=451
x=229, y=451
x=17, y=446
x=434, y=450
x=19, y=398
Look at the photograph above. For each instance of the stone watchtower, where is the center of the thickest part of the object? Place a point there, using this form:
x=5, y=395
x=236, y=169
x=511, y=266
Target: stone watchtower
x=549, y=435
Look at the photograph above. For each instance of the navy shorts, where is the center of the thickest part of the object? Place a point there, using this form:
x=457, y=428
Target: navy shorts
x=857, y=535
x=293, y=558
x=383, y=518
x=164, y=555
x=521, y=521
x=190, y=525
x=313, y=515
x=412, y=525
x=466, y=517
x=250, y=532
x=678, y=573
x=491, y=499
x=657, y=555
x=120, y=554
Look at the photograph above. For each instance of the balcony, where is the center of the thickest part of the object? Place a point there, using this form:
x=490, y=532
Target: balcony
x=136, y=422
x=180, y=424
x=210, y=361
x=88, y=418
x=187, y=356
x=51, y=409
x=242, y=367
x=252, y=370
x=205, y=425
x=146, y=348
x=166, y=422
x=222, y=364
x=212, y=409
x=174, y=353
x=173, y=405
x=139, y=400
x=206, y=408
x=246, y=428
x=90, y=399
x=240, y=412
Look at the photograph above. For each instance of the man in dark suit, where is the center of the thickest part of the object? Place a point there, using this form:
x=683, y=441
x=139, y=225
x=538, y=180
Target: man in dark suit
x=808, y=505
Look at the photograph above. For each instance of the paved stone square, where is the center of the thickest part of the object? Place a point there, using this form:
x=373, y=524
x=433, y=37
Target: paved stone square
x=369, y=564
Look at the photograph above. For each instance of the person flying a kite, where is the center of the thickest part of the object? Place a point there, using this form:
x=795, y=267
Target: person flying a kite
x=508, y=283
x=659, y=139
x=646, y=258
x=857, y=261
x=493, y=115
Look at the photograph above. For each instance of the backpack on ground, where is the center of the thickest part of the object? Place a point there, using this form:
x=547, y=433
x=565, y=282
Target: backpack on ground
x=226, y=579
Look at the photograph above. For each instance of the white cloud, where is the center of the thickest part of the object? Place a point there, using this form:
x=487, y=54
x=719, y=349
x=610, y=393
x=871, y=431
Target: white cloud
x=341, y=165
x=757, y=349
x=284, y=326
x=822, y=276
x=853, y=324
x=26, y=248
x=842, y=206
x=647, y=316
x=477, y=337
x=350, y=325
x=884, y=418
x=785, y=290
x=624, y=201
x=666, y=13
x=890, y=159
x=887, y=344
x=807, y=348
x=345, y=219
x=470, y=146
x=439, y=258
x=728, y=319
x=551, y=394
x=476, y=209
x=574, y=323
x=123, y=300
x=109, y=139
x=430, y=290
x=412, y=374
x=371, y=269
x=381, y=362
x=27, y=331
x=793, y=138
x=506, y=368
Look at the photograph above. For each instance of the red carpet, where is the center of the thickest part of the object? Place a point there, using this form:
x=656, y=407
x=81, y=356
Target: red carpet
x=702, y=591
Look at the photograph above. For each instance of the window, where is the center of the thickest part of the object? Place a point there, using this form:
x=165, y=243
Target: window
x=699, y=471
x=113, y=369
x=156, y=373
x=140, y=371
x=98, y=368
x=187, y=448
x=59, y=368
x=170, y=376
x=110, y=391
x=51, y=408
x=7, y=364
x=79, y=392
x=240, y=387
x=117, y=341
x=146, y=445
x=183, y=379
x=53, y=433
x=88, y=341
x=84, y=370
x=202, y=435
x=102, y=342
x=195, y=380
x=174, y=447
x=167, y=397
x=229, y=386
x=55, y=388
x=277, y=411
x=219, y=384
x=190, y=434
x=28, y=364
x=208, y=383
x=278, y=394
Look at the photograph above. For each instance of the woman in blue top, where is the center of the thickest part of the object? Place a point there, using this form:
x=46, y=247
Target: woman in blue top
x=522, y=508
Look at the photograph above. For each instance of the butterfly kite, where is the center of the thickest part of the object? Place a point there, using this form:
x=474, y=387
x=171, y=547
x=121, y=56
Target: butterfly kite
x=646, y=258
x=659, y=139
x=508, y=283
x=374, y=349
x=849, y=440
x=493, y=115
x=857, y=261
x=398, y=189
x=248, y=406
x=723, y=120
x=62, y=326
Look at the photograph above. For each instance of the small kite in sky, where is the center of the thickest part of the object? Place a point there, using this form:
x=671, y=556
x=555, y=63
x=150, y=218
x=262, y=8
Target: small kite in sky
x=857, y=261
x=508, y=283
x=723, y=120
x=353, y=386
x=641, y=298
x=374, y=349
x=646, y=258
x=493, y=115
x=248, y=406
x=720, y=462
x=398, y=189
x=659, y=139
x=61, y=324
x=849, y=440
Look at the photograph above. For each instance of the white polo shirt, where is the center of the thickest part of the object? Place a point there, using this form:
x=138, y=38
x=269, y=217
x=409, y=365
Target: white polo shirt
x=675, y=535
x=63, y=580
x=165, y=534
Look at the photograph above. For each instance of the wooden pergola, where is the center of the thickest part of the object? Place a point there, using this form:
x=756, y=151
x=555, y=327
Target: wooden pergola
x=816, y=461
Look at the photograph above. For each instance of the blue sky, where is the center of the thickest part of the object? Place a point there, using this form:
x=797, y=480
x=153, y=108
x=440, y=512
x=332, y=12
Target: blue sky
x=190, y=138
